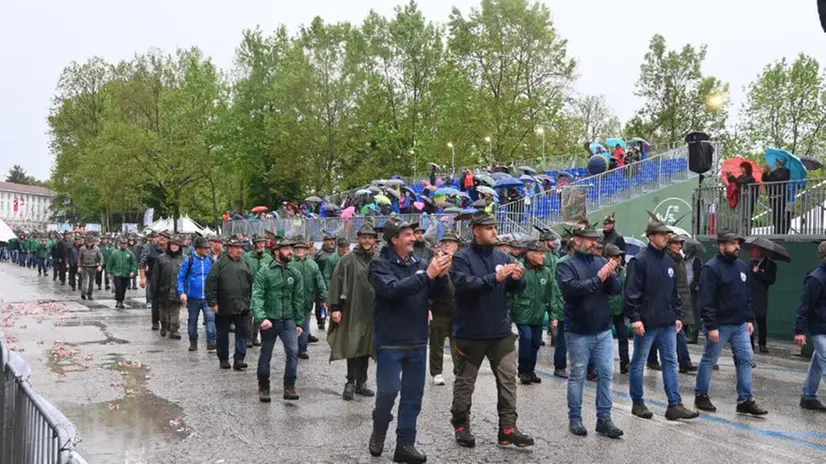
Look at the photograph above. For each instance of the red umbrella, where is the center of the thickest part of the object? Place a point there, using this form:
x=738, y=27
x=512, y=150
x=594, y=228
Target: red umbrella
x=732, y=166
x=260, y=209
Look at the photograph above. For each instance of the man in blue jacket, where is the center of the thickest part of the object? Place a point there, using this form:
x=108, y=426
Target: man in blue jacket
x=653, y=307
x=724, y=289
x=403, y=283
x=811, y=317
x=483, y=278
x=587, y=281
x=192, y=279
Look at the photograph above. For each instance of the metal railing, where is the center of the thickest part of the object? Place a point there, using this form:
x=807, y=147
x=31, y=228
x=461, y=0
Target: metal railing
x=32, y=431
x=794, y=210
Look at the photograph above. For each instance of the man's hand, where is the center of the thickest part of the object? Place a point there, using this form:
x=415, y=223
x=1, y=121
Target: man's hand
x=638, y=328
x=679, y=325
x=518, y=273
x=554, y=323
x=299, y=331
x=79, y=270
x=504, y=272
x=607, y=270
x=215, y=309
x=183, y=298
x=714, y=336
x=335, y=316
x=800, y=340
x=100, y=268
x=751, y=328
x=437, y=266
x=266, y=325
x=755, y=269
x=429, y=317
x=143, y=284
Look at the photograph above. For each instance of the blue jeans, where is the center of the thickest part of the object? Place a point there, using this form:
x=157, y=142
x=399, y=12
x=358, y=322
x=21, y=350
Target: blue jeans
x=738, y=337
x=304, y=339
x=530, y=338
x=41, y=266
x=598, y=348
x=400, y=370
x=666, y=338
x=289, y=338
x=683, y=356
x=816, y=368
x=561, y=349
x=194, y=307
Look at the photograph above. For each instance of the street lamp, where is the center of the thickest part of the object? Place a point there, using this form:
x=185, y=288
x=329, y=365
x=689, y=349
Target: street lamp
x=489, y=140
x=452, y=158
x=541, y=131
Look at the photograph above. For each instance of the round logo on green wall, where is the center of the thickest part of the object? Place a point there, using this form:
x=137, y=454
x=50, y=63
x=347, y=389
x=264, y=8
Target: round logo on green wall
x=673, y=208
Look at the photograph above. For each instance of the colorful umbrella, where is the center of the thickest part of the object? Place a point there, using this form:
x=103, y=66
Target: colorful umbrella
x=363, y=192
x=313, y=199
x=393, y=193
x=381, y=199
x=329, y=207
x=486, y=190
x=732, y=166
x=348, y=212
x=811, y=162
x=797, y=171
x=260, y=209
x=445, y=191
x=595, y=147
x=613, y=142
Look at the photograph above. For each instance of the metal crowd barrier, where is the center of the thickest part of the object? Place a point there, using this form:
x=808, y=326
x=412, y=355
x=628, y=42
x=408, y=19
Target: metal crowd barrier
x=789, y=210
x=32, y=431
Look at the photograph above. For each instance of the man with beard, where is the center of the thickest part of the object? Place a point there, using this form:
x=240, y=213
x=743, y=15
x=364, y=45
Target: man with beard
x=728, y=318
x=351, y=311
x=151, y=253
x=164, y=285
x=609, y=233
x=90, y=261
x=483, y=278
x=257, y=258
x=229, y=289
x=327, y=251
x=278, y=308
x=587, y=282
x=122, y=266
x=403, y=284
x=421, y=248
x=441, y=308
x=313, y=288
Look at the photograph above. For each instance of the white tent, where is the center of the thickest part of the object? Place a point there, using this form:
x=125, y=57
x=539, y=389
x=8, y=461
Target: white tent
x=6, y=233
x=185, y=226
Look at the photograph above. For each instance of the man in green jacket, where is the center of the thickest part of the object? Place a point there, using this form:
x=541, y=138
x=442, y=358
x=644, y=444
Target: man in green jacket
x=342, y=248
x=103, y=275
x=314, y=288
x=43, y=251
x=122, y=265
x=278, y=307
x=229, y=289
x=257, y=258
x=551, y=240
x=528, y=309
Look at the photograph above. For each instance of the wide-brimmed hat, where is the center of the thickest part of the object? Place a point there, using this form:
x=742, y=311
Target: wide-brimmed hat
x=674, y=238
x=655, y=225
x=235, y=242
x=612, y=250
x=609, y=219
x=165, y=234
x=546, y=235
x=201, y=242
x=284, y=242
x=586, y=230
x=215, y=238
x=367, y=229
x=536, y=245
x=260, y=237
x=729, y=236
x=482, y=218
x=393, y=226
x=176, y=239
x=451, y=235
x=342, y=242
x=299, y=242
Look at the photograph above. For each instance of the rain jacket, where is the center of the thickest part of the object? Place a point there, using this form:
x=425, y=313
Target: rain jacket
x=618, y=301
x=352, y=293
x=164, y=277
x=724, y=293
x=557, y=303
x=257, y=261
x=330, y=266
x=530, y=306
x=277, y=294
x=90, y=256
x=323, y=255
x=811, y=315
x=44, y=250
x=229, y=285
x=683, y=289
x=192, y=278
x=651, y=289
x=587, y=309
x=121, y=262
x=313, y=285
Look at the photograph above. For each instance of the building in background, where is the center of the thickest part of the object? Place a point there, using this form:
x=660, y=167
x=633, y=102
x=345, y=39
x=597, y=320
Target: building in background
x=25, y=206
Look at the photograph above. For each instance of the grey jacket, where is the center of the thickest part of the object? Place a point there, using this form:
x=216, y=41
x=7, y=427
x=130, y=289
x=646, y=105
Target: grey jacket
x=90, y=257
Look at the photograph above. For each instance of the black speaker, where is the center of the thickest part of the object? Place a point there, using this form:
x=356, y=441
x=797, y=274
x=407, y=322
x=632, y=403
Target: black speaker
x=700, y=152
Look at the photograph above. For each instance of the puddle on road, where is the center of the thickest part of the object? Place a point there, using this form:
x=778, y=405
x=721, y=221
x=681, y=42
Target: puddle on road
x=129, y=426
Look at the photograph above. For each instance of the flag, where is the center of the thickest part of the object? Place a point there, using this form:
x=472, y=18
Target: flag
x=149, y=217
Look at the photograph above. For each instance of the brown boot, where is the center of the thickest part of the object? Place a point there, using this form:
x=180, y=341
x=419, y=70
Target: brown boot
x=289, y=393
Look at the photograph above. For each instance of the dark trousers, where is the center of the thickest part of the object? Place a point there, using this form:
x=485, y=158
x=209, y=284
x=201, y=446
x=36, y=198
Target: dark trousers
x=100, y=277
x=622, y=339
x=357, y=370
x=73, y=277
x=530, y=339
x=320, y=314
x=55, y=269
x=501, y=354
x=400, y=370
x=156, y=305
x=780, y=219
x=561, y=349
x=222, y=323
x=762, y=330
x=439, y=330
x=121, y=284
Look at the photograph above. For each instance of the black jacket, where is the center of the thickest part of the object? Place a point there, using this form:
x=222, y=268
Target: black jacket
x=811, y=315
x=481, y=303
x=164, y=276
x=777, y=191
x=614, y=238
x=651, y=289
x=724, y=293
x=587, y=308
x=229, y=285
x=759, y=283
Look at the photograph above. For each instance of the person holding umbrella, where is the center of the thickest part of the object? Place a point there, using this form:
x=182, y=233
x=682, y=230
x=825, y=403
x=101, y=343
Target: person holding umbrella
x=811, y=318
x=777, y=194
x=762, y=275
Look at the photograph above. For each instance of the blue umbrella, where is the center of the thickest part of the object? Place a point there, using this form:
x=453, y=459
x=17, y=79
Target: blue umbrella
x=508, y=182
x=614, y=141
x=527, y=179
x=797, y=171
x=446, y=191
x=500, y=175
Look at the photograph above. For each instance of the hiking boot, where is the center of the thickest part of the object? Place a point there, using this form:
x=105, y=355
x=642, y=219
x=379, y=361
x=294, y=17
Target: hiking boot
x=535, y=378
x=678, y=411
x=90, y=298
x=654, y=366
x=193, y=345
x=688, y=368
x=512, y=436
x=525, y=379
x=764, y=349
x=256, y=342
x=312, y=339
x=464, y=437
x=606, y=427
x=812, y=404
x=561, y=373
x=376, y=444
x=239, y=365
x=289, y=393
x=304, y=355
x=623, y=368
x=751, y=407
x=641, y=410
x=163, y=331
x=224, y=364
x=575, y=426
x=264, y=394
x=174, y=335
x=155, y=326
x=349, y=392
x=703, y=403
x=409, y=454
x=321, y=325
x=82, y=296
x=362, y=390
x=211, y=345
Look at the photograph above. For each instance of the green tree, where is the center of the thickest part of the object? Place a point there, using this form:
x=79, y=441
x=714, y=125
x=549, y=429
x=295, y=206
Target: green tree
x=596, y=119
x=17, y=175
x=786, y=107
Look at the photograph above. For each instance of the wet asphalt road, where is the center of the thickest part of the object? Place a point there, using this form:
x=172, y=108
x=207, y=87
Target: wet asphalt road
x=138, y=398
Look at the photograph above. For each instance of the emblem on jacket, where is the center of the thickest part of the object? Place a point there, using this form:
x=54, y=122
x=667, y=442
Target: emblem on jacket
x=671, y=272
x=743, y=276
x=542, y=281
x=290, y=281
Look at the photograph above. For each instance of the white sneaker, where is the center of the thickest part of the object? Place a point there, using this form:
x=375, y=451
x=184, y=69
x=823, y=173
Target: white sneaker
x=438, y=379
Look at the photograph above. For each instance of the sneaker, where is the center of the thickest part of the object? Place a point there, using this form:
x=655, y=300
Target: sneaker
x=312, y=339
x=812, y=404
x=623, y=368
x=687, y=369
x=264, y=395
x=349, y=392
x=512, y=436
x=224, y=364
x=438, y=379
x=376, y=444
x=575, y=426
x=211, y=345
x=641, y=410
x=525, y=379
x=561, y=373
x=654, y=366
x=464, y=437
x=304, y=355
x=751, y=407
x=535, y=378
x=289, y=393
x=239, y=365
x=606, y=427
x=703, y=403
x=362, y=390
x=679, y=411
x=408, y=454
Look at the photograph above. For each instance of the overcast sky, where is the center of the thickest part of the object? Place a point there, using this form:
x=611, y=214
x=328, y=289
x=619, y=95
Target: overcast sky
x=607, y=37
